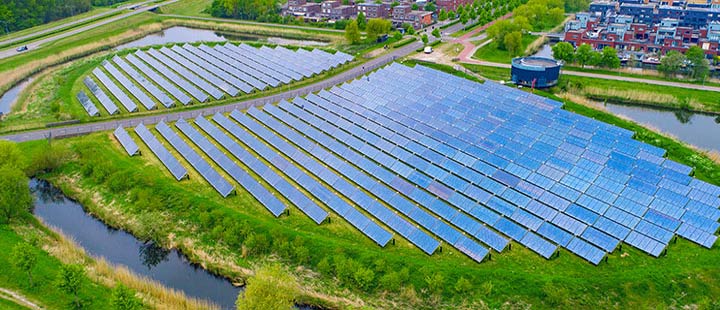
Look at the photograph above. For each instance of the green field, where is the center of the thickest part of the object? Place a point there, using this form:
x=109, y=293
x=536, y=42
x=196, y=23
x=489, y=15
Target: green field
x=44, y=290
x=188, y=8
x=491, y=52
x=191, y=216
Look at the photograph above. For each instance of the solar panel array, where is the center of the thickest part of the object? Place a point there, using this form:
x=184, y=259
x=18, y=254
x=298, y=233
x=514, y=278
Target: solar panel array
x=87, y=104
x=105, y=101
x=436, y=158
x=184, y=73
x=128, y=143
x=162, y=153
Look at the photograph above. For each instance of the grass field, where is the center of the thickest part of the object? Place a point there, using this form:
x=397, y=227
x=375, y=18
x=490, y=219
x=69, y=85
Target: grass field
x=191, y=216
x=492, y=53
x=188, y=8
x=44, y=291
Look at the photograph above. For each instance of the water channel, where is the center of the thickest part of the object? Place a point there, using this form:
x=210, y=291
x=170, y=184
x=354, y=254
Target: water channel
x=179, y=34
x=169, y=267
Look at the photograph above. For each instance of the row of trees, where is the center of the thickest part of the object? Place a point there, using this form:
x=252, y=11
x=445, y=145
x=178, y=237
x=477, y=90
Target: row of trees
x=693, y=63
x=374, y=28
x=20, y=14
x=263, y=10
x=585, y=55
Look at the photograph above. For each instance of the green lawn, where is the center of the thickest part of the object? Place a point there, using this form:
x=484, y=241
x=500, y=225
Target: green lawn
x=492, y=53
x=640, y=76
x=44, y=290
x=93, y=12
x=188, y=7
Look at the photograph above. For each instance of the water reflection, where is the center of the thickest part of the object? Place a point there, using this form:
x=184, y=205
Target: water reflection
x=168, y=267
x=698, y=129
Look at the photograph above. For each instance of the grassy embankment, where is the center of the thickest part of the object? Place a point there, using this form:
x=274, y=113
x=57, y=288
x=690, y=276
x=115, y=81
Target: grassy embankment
x=54, y=250
x=62, y=23
x=191, y=216
x=620, y=91
x=188, y=8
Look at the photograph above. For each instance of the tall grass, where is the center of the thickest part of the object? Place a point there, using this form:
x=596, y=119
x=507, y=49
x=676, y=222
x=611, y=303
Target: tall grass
x=101, y=271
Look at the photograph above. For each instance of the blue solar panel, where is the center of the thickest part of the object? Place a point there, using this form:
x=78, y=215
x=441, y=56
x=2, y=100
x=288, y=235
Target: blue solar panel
x=126, y=141
x=170, y=161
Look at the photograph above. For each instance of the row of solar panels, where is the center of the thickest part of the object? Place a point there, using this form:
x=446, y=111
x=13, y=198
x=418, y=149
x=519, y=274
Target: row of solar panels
x=186, y=73
x=381, y=88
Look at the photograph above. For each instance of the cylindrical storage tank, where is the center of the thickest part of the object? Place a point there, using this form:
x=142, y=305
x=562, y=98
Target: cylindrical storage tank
x=538, y=72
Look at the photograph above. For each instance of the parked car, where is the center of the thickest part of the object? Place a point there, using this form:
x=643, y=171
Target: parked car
x=428, y=49
x=22, y=48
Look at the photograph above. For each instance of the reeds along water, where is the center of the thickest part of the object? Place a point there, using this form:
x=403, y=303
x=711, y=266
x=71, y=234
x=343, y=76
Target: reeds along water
x=153, y=293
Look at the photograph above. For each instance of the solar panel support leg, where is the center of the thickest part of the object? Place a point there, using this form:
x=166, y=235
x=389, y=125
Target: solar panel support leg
x=509, y=246
x=441, y=249
x=393, y=241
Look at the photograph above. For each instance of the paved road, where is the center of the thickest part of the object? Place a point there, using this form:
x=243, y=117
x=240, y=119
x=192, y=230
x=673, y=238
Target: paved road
x=66, y=25
x=152, y=119
x=245, y=22
x=37, y=44
x=610, y=77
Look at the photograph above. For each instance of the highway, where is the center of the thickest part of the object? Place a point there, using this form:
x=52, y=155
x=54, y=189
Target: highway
x=38, y=44
x=86, y=128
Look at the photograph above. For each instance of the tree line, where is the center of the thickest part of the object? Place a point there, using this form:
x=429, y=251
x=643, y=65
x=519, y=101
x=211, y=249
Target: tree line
x=21, y=14
x=585, y=55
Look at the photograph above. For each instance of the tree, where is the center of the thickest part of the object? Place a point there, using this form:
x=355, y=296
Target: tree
x=124, y=298
x=696, y=56
x=397, y=36
x=377, y=27
x=272, y=287
x=564, y=51
x=583, y=54
x=15, y=198
x=610, y=58
x=361, y=20
x=352, y=32
x=436, y=33
x=443, y=15
x=595, y=58
x=24, y=258
x=671, y=64
x=70, y=280
x=415, y=7
x=430, y=7
x=464, y=18
x=513, y=43
x=425, y=39
x=572, y=6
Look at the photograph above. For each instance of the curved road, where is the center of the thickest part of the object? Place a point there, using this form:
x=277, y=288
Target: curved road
x=37, y=44
x=82, y=129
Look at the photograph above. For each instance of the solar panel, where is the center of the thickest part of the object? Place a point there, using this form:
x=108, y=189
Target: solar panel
x=115, y=90
x=170, y=75
x=87, y=104
x=266, y=198
x=170, y=162
x=127, y=143
x=185, y=73
x=125, y=82
x=105, y=101
x=177, y=54
x=288, y=190
x=211, y=175
x=147, y=85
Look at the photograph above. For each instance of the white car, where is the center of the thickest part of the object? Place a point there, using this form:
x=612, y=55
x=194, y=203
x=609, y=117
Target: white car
x=428, y=49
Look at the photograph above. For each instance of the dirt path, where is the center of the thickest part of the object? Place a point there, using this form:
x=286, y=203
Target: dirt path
x=18, y=299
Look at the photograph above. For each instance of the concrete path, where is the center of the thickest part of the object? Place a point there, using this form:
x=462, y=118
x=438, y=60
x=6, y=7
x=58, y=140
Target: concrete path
x=87, y=128
x=38, y=44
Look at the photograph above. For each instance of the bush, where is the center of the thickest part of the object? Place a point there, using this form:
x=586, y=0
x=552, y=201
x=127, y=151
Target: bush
x=364, y=278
